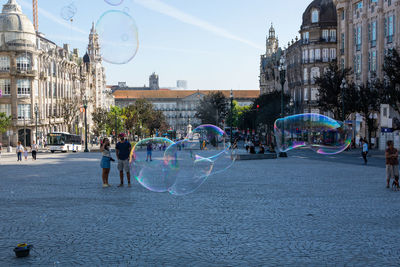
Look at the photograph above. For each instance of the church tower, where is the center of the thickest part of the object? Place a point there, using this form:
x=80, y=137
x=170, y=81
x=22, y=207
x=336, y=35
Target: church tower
x=272, y=42
x=153, y=82
x=94, y=46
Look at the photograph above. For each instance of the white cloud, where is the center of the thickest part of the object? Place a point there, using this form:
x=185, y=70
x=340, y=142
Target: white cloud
x=160, y=7
x=53, y=18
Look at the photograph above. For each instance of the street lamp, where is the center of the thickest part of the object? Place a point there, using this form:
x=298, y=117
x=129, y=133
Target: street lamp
x=36, y=121
x=85, y=104
x=343, y=86
x=231, y=120
x=282, y=74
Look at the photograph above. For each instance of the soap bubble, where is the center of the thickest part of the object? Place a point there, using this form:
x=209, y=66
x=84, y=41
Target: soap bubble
x=118, y=36
x=69, y=11
x=190, y=170
x=114, y=2
x=209, y=141
x=320, y=133
x=148, y=165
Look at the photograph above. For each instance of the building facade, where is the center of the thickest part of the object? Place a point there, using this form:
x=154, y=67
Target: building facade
x=38, y=79
x=179, y=106
x=367, y=29
x=308, y=57
x=269, y=62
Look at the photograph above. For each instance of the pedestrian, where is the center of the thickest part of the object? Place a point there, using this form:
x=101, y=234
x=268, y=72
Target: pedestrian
x=365, y=151
x=26, y=153
x=19, y=150
x=106, y=159
x=123, y=150
x=392, y=164
x=149, y=149
x=34, y=149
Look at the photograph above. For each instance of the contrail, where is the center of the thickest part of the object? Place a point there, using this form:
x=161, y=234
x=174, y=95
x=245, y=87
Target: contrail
x=50, y=16
x=160, y=7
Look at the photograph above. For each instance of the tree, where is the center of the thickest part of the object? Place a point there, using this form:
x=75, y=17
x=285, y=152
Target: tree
x=101, y=120
x=5, y=122
x=330, y=96
x=213, y=108
x=70, y=110
x=368, y=101
x=391, y=69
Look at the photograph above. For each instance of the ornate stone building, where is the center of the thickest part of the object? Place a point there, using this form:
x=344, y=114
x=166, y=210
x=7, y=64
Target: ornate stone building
x=37, y=75
x=307, y=58
x=367, y=29
x=269, y=74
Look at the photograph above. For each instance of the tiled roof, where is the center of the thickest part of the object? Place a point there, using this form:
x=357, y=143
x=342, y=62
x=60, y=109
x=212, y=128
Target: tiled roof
x=136, y=94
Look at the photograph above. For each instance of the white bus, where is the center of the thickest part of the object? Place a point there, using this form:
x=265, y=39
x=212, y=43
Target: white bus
x=64, y=142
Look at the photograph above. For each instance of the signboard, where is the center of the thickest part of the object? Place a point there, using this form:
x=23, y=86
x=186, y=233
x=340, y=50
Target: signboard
x=386, y=130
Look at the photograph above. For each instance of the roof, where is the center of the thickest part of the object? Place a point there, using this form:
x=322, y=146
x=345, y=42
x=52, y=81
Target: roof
x=327, y=15
x=13, y=20
x=136, y=94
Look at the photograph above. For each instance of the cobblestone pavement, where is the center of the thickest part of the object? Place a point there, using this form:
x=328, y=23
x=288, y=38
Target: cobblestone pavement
x=283, y=212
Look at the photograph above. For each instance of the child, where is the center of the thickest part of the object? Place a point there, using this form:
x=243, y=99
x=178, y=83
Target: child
x=26, y=153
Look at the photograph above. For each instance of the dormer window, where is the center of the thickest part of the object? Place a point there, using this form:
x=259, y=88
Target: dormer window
x=314, y=16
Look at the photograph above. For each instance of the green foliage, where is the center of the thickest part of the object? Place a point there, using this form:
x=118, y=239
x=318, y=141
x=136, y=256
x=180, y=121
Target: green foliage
x=330, y=96
x=391, y=68
x=100, y=119
x=5, y=122
x=213, y=108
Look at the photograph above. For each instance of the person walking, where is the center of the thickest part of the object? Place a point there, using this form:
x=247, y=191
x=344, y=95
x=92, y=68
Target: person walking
x=19, y=150
x=392, y=164
x=122, y=150
x=106, y=159
x=149, y=149
x=34, y=149
x=365, y=151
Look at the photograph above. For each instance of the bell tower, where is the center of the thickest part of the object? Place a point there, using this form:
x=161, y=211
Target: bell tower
x=94, y=46
x=272, y=42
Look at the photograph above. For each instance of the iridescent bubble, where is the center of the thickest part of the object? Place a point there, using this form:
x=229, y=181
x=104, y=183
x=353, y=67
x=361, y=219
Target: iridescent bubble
x=320, y=133
x=118, y=36
x=114, y=2
x=190, y=170
x=148, y=165
x=69, y=11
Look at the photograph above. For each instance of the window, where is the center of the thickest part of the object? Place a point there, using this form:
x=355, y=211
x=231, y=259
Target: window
x=306, y=37
x=23, y=63
x=385, y=112
x=305, y=94
x=325, y=34
x=342, y=44
x=343, y=14
x=311, y=52
x=317, y=54
x=314, y=94
x=325, y=54
x=373, y=61
x=332, y=35
x=5, y=86
x=358, y=6
x=314, y=74
x=5, y=108
x=24, y=111
x=358, y=65
x=333, y=53
x=305, y=75
x=358, y=38
x=314, y=16
x=390, y=29
x=305, y=56
x=4, y=64
x=54, y=89
x=24, y=87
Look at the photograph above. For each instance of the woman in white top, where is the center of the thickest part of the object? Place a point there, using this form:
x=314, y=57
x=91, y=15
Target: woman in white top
x=20, y=150
x=34, y=149
x=106, y=159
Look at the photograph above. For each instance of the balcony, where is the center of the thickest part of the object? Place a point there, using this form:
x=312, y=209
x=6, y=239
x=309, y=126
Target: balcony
x=24, y=72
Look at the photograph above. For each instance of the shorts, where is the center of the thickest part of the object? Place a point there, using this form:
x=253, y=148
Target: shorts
x=105, y=163
x=392, y=171
x=123, y=165
x=149, y=153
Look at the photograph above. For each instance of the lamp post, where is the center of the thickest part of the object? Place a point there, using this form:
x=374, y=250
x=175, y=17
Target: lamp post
x=85, y=104
x=282, y=74
x=343, y=86
x=231, y=119
x=36, y=121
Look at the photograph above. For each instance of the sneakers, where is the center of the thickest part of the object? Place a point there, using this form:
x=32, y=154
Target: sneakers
x=105, y=185
x=387, y=186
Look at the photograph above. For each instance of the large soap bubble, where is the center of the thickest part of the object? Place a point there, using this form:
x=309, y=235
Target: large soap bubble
x=118, y=36
x=190, y=170
x=114, y=2
x=320, y=133
x=68, y=11
x=149, y=166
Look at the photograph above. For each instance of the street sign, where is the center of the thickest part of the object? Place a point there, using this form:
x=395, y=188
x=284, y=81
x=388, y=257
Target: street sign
x=386, y=130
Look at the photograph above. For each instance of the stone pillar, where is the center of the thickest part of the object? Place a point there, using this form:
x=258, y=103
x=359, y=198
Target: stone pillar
x=365, y=45
x=380, y=42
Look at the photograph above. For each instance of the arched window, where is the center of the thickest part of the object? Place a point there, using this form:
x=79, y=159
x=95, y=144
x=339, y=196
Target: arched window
x=23, y=62
x=314, y=16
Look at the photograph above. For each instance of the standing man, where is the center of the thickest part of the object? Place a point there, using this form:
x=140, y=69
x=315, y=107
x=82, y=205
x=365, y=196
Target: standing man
x=149, y=149
x=365, y=151
x=123, y=150
x=34, y=149
x=392, y=164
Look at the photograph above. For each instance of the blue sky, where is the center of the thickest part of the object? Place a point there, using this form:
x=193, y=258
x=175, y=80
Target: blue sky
x=213, y=44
